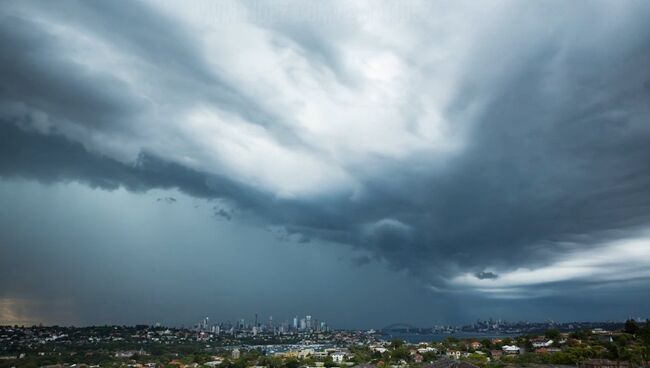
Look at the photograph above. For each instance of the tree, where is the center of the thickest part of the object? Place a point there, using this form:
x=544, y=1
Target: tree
x=486, y=343
x=644, y=333
x=400, y=353
x=292, y=363
x=553, y=334
x=329, y=362
x=361, y=354
x=631, y=327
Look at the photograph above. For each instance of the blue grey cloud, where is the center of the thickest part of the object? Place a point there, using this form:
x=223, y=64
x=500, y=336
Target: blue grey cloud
x=464, y=156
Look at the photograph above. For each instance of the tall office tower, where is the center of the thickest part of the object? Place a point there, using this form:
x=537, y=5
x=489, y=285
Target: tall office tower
x=295, y=322
x=308, y=321
x=271, y=323
x=303, y=324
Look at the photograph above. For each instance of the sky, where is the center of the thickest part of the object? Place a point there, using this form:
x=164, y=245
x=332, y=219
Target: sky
x=365, y=162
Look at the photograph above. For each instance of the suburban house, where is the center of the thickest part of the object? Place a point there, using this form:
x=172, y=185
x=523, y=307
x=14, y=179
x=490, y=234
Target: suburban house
x=338, y=357
x=541, y=343
x=455, y=354
x=510, y=349
x=427, y=349
x=475, y=345
x=496, y=354
x=379, y=349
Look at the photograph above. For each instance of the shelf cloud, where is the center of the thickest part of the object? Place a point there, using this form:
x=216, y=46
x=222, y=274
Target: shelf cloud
x=499, y=151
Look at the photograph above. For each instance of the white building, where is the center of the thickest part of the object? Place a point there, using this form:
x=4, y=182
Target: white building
x=338, y=357
x=542, y=343
x=454, y=354
x=320, y=354
x=427, y=349
x=304, y=353
x=510, y=349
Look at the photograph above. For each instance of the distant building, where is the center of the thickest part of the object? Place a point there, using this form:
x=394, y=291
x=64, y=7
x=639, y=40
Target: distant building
x=130, y=353
x=216, y=360
x=541, y=343
x=475, y=345
x=338, y=357
x=455, y=354
x=427, y=349
x=236, y=353
x=510, y=349
x=320, y=354
x=304, y=353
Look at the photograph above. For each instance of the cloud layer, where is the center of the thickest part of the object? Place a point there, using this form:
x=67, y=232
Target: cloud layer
x=497, y=149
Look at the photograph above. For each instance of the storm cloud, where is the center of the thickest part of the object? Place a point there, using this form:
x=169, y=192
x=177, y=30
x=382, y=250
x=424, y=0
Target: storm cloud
x=496, y=151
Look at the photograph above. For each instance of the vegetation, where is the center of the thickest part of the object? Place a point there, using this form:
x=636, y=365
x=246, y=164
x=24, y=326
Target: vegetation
x=631, y=343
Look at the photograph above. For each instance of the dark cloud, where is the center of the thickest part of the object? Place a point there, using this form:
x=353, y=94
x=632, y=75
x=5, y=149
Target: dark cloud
x=541, y=169
x=302, y=239
x=486, y=275
x=175, y=56
x=222, y=213
x=34, y=76
x=555, y=160
x=574, y=171
x=388, y=235
x=51, y=158
x=168, y=200
x=361, y=261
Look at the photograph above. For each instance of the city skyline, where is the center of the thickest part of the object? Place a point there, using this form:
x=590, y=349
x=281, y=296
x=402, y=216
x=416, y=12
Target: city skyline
x=369, y=163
